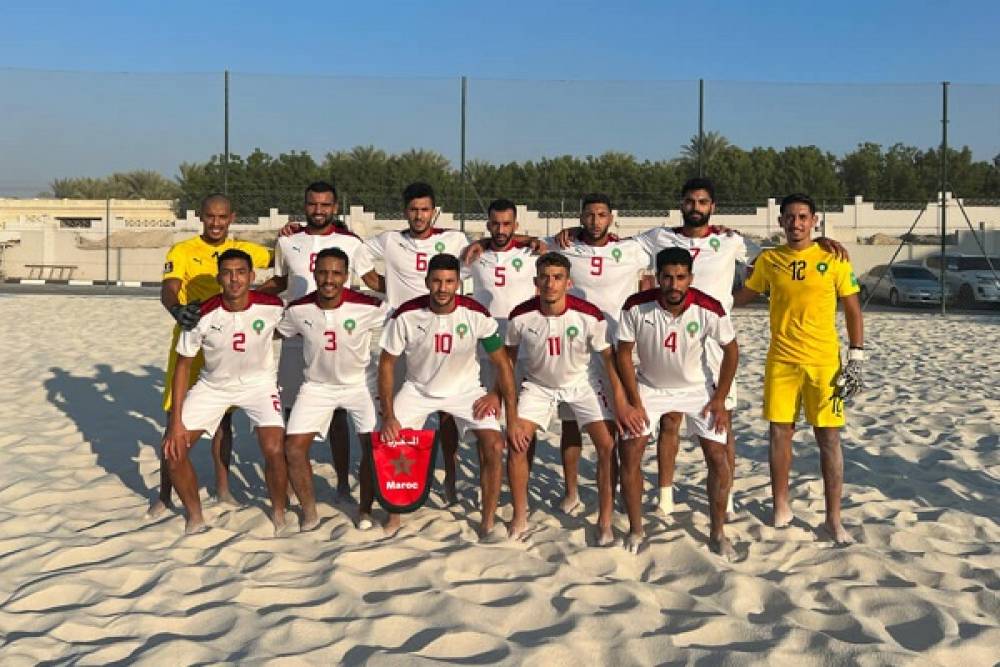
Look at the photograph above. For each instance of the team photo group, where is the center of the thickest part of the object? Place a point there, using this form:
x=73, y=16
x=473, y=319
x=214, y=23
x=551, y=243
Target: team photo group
x=627, y=340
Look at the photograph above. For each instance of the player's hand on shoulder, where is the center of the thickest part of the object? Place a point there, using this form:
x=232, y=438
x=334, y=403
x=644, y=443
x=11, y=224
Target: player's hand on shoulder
x=716, y=409
x=472, y=252
x=487, y=405
x=565, y=237
x=290, y=228
x=538, y=246
x=834, y=247
x=188, y=315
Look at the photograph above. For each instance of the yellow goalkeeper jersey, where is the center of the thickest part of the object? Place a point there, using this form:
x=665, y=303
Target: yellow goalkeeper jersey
x=804, y=286
x=194, y=263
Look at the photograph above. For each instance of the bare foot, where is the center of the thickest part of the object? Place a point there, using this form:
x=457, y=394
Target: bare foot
x=838, y=533
x=723, y=547
x=782, y=515
x=280, y=525
x=226, y=498
x=391, y=525
x=309, y=521
x=195, y=526
x=517, y=529
x=633, y=541
x=605, y=536
x=365, y=521
x=570, y=504
x=157, y=508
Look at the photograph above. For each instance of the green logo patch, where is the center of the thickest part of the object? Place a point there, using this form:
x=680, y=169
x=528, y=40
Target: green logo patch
x=462, y=329
x=617, y=254
x=822, y=267
x=692, y=328
x=349, y=325
x=572, y=332
x=439, y=246
x=258, y=326
x=715, y=243
x=854, y=280
x=517, y=263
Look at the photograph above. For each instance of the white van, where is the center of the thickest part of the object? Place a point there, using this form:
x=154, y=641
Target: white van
x=969, y=277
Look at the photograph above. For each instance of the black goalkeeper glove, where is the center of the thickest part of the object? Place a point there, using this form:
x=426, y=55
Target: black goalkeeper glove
x=187, y=316
x=850, y=380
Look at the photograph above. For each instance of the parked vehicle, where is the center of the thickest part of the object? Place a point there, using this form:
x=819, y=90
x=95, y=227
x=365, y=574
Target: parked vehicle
x=903, y=284
x=969, y=277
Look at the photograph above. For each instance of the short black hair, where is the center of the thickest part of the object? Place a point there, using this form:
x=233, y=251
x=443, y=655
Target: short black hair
x=675, y=256
x=502, y=205
x=321, y=186
x=444, y=262
x=552, y=259
x=798, y=198
x=214, y=197
x=418, y=190
x=594, y=198
x=235, y=253
x=336, y=253
x=699, y=183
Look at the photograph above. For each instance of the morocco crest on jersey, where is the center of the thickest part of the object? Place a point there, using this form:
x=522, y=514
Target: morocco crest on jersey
x=403, y=469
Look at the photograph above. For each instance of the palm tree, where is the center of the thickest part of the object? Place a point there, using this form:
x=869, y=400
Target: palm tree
x=707, y=148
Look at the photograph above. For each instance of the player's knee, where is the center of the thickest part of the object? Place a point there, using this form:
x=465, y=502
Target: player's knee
x=671, y=422
x=273, y=448
x=492, y=447
x=715, y=455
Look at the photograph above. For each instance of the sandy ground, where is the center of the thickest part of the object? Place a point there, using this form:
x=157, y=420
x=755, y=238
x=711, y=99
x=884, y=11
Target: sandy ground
x=87, y=580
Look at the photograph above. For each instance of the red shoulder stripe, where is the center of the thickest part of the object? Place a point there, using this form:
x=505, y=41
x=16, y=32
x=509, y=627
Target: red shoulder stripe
x=211, y=304
x=472, y=304
x=265, y=299
x=413, y=304
x=702, y=300
x=585, y=307
x=642, y=297
x=308, y=298
x=529, y=306
x=352, y=296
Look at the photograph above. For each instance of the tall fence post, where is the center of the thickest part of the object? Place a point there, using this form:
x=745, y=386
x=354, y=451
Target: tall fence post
x=701, y=127
x=225, y=139
x=107, y=244
x=465, y=93
x=944, y=188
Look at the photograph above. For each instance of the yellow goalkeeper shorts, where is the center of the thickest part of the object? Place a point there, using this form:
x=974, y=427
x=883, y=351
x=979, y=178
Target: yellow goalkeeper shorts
x=791, y=387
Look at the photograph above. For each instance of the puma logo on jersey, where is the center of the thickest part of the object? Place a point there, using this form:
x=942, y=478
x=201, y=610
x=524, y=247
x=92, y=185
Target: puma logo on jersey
x=196, y=259
x=533, y=331
x=421, y=328
x=215, y=327
x=308, y=323
x=296, y=248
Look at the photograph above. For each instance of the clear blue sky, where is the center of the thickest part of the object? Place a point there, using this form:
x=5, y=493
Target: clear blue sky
x=302, y=78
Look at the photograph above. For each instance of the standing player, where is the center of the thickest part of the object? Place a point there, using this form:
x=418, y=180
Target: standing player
x=605, y=272
x=335, y=324
x=406, y=255
x=559, y=335
x=189, y=278
x=294, y=263
x=670, y=328
x=803, y=361
x=438, y=334
x=235, y=333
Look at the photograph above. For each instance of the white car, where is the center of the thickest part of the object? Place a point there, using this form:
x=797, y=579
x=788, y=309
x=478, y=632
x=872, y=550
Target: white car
x=902, y=284
x=970, y=277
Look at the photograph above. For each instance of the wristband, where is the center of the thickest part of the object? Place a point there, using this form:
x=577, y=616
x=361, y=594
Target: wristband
x=856, y=354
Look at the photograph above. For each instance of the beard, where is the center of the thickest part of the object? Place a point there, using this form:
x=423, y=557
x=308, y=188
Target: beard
x=695, y=219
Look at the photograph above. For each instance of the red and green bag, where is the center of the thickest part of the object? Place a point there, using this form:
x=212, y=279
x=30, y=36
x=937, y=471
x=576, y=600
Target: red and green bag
x=403, y=469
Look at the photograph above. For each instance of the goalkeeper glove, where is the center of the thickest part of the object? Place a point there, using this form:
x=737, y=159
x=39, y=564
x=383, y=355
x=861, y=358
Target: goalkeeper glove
x=850, y=380
x=187, y=316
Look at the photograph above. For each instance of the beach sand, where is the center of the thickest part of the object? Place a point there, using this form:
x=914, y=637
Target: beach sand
x=86, y=579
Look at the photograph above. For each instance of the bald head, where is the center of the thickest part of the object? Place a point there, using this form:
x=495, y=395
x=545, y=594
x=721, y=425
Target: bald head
x=214, y=200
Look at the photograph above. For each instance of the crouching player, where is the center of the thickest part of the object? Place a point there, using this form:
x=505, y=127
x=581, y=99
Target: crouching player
x=559, y=334
x=336, y=326
x=668, y=327
x=438, y=334
x=235, y=332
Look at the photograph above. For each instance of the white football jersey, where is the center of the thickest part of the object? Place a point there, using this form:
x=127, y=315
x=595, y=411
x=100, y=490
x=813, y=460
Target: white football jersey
x=237, y=344
x=440, y=350
x=502, y=279
x=336, y=341
x=672, y=349
x=605, y=275
x=715, y=256
x=295, y=257
x=557, y=350
x=406, y=259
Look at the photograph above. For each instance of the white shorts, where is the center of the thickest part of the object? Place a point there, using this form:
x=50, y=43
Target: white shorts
x=291, y=369
x=316, y=402
x=713, y=354
x=596, y=376
x=689, y=402
x=412, y=408
x=587, y=403
x=205, y=405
